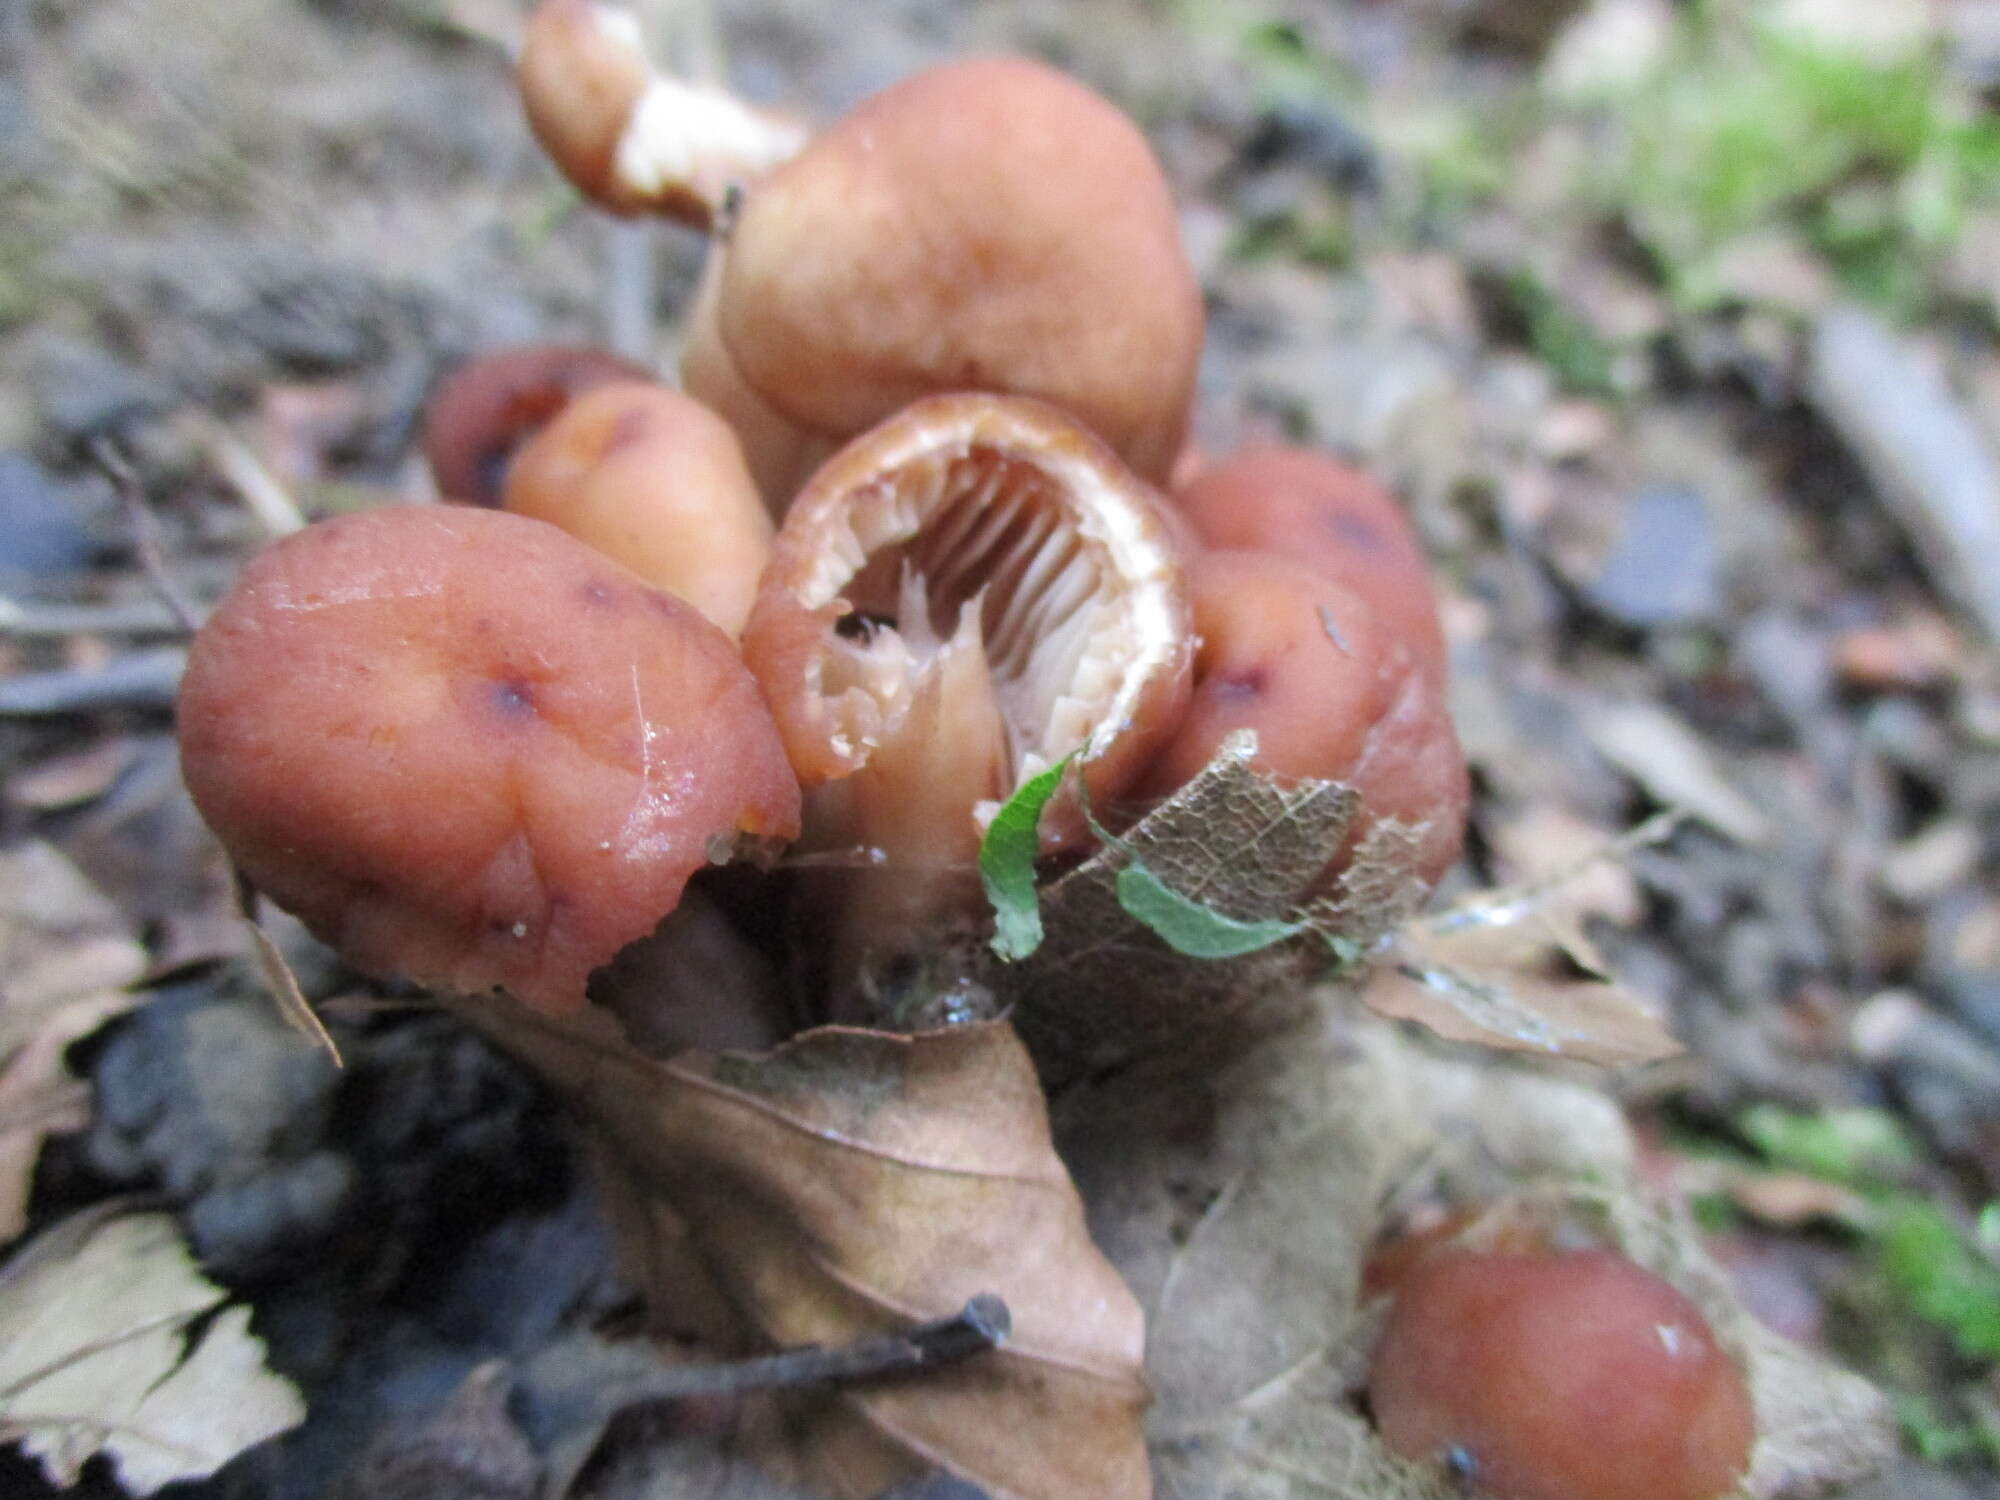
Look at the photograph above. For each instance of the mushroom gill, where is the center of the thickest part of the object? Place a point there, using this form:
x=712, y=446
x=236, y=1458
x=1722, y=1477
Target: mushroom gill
x=989, y=552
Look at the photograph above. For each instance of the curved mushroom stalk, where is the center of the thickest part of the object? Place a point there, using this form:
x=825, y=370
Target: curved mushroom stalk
x=634, y=140
x=960, y=598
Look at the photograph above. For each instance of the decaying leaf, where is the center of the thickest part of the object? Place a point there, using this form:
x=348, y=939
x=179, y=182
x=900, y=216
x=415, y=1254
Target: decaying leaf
x=1658, y=750
x=1241, y=1210
x=1104, y=988
x=1517, y=981
x=854, y=1182
x=111, y=1341
x=1211, y=901
x=67, y=959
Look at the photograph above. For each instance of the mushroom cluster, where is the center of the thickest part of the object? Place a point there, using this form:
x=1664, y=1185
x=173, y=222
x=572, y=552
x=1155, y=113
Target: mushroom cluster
x=921, y=525
x=938, y=374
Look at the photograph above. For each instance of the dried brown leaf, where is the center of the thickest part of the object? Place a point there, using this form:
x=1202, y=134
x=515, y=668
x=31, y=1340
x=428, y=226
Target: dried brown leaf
x=856, y=1182
x=66, y=960
x=97, y=1355
x=1520, y=983
x=1664, y=755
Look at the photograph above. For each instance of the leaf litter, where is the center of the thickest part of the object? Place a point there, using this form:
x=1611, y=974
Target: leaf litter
x=857, y=1182
x=1226, y=873
x=112, y=1341
x=1241, y=1203
x=67, y=964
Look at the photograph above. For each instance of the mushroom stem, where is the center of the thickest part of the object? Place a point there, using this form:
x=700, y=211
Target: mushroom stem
x=938, y=759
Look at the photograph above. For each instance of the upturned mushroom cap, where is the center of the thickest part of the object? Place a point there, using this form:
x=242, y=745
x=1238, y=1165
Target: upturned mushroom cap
x=484, y=411
x=1335, y=690
x=988, y=552
x=987, y=225
x=1330, y=516
x=468, y=750
x=655, y=480
x=633, y=140
x=1571, y=1376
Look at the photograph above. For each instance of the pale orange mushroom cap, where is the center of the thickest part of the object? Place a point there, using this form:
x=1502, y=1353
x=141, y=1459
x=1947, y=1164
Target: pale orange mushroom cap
x=1335, y=690
x=1575, y=1376
x=468, y=750
x=656, y=480
x=989, y=225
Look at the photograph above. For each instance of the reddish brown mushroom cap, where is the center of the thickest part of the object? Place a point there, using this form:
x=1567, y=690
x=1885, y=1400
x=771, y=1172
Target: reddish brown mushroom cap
x=1560, y=1377
x=655, y=480
x=1326, y=514
x=1334, y=689
x=468, y=750
x=485, y=410
x=987, y=225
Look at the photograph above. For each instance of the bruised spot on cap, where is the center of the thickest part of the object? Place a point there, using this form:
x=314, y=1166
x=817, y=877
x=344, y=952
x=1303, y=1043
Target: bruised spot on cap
x=514, y=697
x=1355, y=531
x=633, y=425
x=1239, y=685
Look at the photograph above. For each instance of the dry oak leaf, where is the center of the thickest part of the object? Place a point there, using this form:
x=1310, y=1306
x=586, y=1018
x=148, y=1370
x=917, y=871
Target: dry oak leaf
x=100, y=1352
x=853, y=1182
x=1519, y=981
x=67, y=959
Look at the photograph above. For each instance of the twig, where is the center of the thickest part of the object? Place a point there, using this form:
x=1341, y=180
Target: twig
x=139, y=522
x=982, y=1324
x=30, y=619
x=144, y=680
x=258, y=488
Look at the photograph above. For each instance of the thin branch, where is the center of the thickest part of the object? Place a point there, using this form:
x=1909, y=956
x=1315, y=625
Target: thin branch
x=982, y=1324
x=139, y=521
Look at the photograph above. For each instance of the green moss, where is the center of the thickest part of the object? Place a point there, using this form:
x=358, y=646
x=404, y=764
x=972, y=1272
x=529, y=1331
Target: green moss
x=1743, y=127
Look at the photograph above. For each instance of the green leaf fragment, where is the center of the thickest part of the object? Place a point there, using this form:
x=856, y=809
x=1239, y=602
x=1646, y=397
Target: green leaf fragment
x=1188, y=927
x=1007, y=863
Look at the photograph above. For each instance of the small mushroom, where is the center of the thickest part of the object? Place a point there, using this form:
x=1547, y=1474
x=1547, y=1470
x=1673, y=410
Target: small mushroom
x=634, y=140
x=1326, y=514
x=1571, y=1376
x=1336, y=690
x=468, y=750
x=965, y=595
x=656, y=480
x=485, y=410
x=982, y=226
